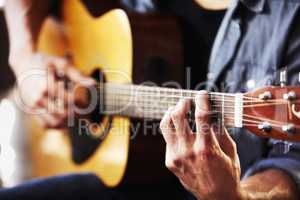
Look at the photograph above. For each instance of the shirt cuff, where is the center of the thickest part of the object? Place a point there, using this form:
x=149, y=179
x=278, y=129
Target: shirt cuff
x=290, y=166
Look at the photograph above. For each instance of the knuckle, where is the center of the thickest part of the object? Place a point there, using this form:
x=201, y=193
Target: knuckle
x=201, y=114
x=178, y=114
x=48, y=123
x=197, y=150
x=38, y=102
x=44, y=92
x=162, y=126
x=190, y=155
x=62, y=62
x=59, y=123
x=207, y=154
x=164, y=123
x=174, y=163
x=234, y=146
x=170, y=165
x=201, y=96
x=64, y=117
x=50, y=65
x=177, y=162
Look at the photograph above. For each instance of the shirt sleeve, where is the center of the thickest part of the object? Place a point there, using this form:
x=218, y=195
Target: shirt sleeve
x=289, y=165
x=287, y=160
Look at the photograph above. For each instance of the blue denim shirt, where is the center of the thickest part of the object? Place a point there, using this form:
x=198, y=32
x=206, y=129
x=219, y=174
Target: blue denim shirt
x=257, y=38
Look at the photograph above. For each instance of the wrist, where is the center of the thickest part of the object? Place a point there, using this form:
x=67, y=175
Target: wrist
x=238, y=195
x=242, y=195
x=19, y=58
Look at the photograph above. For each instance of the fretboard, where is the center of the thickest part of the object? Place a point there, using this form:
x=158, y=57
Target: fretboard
x=141, y=101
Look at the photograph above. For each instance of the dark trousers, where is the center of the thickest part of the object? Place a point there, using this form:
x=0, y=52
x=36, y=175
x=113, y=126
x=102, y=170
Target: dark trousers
x=89, y=187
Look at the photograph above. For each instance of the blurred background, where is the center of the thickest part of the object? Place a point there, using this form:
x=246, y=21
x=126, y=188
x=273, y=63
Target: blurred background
x=14, y=154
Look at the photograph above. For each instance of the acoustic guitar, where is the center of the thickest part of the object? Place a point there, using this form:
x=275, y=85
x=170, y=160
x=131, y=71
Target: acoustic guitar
x=105, y=45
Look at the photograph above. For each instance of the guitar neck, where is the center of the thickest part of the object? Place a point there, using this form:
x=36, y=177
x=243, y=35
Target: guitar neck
x=152, y=102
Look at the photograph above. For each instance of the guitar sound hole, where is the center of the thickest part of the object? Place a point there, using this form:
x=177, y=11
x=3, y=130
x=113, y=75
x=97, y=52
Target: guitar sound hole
x=84, y=145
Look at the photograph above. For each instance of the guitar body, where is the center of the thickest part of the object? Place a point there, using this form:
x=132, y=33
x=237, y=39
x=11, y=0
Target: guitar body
x=103, y=43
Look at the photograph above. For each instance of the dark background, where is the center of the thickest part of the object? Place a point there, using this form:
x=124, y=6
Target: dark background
x=7, y=78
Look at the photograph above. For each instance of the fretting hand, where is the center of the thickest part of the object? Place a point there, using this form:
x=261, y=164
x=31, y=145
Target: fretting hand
x=205, y=162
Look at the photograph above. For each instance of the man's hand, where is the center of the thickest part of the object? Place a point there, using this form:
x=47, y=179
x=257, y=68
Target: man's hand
x=206, y=162
x=44, y=87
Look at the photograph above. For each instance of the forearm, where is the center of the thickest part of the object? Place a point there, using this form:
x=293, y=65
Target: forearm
x=269, y=185
x=24, y=20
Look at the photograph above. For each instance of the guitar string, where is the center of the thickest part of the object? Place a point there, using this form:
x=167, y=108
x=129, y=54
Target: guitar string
x=121, y=92
x=140, y=101
x=222, y=95
x=149, y=89
x=147, y=107
x=150, y=101
x=272, y=122
x=261, y=118
x=117, y=92
x=175, y=98
x=189, y=92
x=251, y=122
x=153, y=107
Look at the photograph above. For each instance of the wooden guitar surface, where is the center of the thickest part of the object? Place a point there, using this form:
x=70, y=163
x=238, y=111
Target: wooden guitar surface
x=104, y=43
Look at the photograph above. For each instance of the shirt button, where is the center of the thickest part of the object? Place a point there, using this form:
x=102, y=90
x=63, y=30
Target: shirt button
x=250, y=84
x=210, y=76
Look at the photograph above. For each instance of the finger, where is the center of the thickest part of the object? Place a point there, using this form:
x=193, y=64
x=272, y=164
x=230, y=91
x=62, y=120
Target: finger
x=170, y=162
x=51, y=81
x=57, y=115
x=47, y=120
x=51, y=115
x=60, y=95
x=179, y=117
x=205, y=137
x=74, y=75
x=49, y=105
x=167, y=128
x=66, y=69
x=214, y=140
x=202, y=115
x=228, y=145
x=173, y=163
